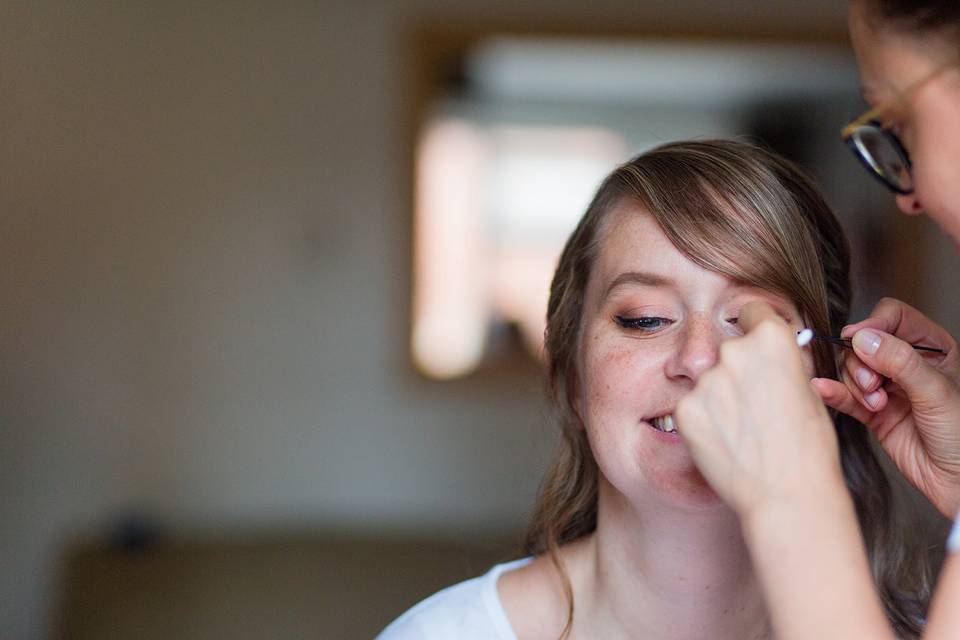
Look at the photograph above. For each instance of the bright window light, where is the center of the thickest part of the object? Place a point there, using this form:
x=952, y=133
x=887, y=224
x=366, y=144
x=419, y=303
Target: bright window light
x=494, y=205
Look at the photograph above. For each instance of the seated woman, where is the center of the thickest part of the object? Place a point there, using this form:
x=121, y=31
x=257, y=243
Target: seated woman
x=627, y=539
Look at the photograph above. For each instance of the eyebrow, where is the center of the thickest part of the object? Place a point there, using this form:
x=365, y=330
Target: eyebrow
x=641, y=278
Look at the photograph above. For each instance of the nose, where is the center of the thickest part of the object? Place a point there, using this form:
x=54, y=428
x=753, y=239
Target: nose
x=909, y=204
x=698, y=348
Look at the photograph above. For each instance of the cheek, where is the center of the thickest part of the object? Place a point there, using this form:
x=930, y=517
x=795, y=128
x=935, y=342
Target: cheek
x=615, y=373
x=935, y=156
x=608, y=377
x=623, y=381
x=808, y=365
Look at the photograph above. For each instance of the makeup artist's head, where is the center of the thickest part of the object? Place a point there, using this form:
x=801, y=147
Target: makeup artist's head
x=898, y=44
x=647, y=288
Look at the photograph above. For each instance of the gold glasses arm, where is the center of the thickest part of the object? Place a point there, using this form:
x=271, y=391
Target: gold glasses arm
x=899, y=97
x=872, y=114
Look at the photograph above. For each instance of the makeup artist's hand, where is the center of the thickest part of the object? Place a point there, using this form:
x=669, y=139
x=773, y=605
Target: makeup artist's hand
x=757, y=430
x=909, y=400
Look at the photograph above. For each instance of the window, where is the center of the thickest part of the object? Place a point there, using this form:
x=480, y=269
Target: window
x=510, y=154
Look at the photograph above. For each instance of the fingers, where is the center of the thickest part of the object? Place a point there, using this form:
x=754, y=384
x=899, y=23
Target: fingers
x=886, y=316
x=838, y=396
x=864, y=383
x=866, y=378
x=753, y=313
x=696, y=412
x=763, y=326
x=694, y=424
x=868, y=323
x=898, y=360
x=708, y=439
x=883, y=348
x=900, y=319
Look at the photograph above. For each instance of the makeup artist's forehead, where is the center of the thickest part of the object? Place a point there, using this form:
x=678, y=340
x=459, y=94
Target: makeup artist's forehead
x=873, y=58
x=889, y=60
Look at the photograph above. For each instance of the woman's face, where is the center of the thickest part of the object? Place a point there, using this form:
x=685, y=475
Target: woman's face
x=653, y=322
x=928, y=122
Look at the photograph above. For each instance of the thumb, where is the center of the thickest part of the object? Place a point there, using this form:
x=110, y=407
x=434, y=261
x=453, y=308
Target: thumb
x=899, y=361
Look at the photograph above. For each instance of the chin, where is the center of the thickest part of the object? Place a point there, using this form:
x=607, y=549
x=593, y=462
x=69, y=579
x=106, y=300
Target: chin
x=681, y=487
x=670, y=472
x=691, y=490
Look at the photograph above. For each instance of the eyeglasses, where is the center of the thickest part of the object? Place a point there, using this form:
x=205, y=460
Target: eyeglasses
x=879, y=148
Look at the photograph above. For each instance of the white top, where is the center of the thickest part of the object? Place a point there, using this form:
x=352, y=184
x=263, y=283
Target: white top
x=470, y=610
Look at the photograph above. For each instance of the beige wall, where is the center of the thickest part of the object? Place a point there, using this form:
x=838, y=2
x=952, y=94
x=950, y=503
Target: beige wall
x=203, y=276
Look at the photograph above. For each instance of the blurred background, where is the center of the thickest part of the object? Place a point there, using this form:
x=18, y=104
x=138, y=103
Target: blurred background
x=271, y=280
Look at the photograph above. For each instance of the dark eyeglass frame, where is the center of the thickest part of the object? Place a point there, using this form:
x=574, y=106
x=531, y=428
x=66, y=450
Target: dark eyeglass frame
x=871, y=121
x=872, y=166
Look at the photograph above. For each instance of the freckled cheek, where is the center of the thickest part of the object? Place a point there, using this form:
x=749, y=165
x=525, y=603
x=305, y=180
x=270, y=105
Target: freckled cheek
x=616, y=375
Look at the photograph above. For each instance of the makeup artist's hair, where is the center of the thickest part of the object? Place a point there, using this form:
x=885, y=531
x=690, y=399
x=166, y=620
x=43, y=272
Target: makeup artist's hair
x=920, y=17
x=746, y=213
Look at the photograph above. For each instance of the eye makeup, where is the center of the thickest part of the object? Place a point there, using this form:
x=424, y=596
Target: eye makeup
x=649, y=312
x=653, y=323
x=642, y=323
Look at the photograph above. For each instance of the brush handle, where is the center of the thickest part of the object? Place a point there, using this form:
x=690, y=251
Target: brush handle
x=847, y=344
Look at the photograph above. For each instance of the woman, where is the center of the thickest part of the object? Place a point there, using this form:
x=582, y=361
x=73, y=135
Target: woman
x=909, y=58
x=627, y=539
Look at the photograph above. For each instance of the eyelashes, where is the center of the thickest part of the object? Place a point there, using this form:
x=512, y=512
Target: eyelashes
x=652, y=324
x=643, y=323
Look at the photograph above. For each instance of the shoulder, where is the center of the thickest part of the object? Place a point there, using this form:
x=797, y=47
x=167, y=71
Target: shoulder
x=467, y=611
x=533, y=596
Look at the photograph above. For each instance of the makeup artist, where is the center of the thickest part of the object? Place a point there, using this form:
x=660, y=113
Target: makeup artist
x=759, y=429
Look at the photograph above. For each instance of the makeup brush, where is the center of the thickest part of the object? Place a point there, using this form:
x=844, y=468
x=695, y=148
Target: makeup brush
x=806, y=335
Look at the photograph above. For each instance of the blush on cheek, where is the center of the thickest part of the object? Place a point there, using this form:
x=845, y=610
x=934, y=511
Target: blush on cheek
x=673, y=476
x=692, y=488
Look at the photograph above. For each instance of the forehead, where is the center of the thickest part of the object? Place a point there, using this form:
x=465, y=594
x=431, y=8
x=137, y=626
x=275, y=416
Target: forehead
x=890, y=59
x=633, y=243
x=632, y=240
x=631, y=232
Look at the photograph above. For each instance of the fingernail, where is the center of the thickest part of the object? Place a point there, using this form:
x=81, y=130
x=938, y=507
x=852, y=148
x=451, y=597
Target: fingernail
x=864, y=378
x=867, y=341
x=873, y=399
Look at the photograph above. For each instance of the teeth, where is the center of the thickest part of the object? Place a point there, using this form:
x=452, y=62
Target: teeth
x=665, y=423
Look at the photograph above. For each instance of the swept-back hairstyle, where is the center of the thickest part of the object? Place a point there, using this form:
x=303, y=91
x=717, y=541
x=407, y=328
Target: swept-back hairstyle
x=746, y=213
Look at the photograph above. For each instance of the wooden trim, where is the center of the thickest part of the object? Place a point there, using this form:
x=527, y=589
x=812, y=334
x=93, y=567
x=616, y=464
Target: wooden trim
x=435, y=52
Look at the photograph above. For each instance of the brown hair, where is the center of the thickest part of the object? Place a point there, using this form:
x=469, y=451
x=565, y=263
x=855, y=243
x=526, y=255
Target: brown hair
x=920, y=16
x=744, y=212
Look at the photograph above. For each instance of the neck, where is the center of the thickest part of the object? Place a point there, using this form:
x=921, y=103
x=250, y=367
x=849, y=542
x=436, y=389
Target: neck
x=666, y=573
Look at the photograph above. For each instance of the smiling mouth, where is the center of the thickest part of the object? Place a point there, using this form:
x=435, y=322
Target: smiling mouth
x=664, y=423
